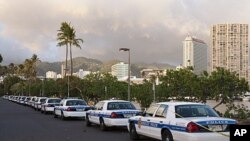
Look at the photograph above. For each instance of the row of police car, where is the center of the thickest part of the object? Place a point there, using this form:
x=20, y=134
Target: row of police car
x=166, y=121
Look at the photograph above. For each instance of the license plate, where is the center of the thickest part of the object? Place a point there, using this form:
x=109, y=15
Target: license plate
x=215, y=127
x=79, y=109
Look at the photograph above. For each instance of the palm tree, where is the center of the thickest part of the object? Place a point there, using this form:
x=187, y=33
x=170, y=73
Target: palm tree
x=67, y=37
x=75, y=42
x=62, y=37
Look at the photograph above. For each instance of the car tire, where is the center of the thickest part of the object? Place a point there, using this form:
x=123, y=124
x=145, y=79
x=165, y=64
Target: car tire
x=132, y=132
x=166, y=135
x=55, y=116
x=88, y=123
x=62, y=116
x=102, y=125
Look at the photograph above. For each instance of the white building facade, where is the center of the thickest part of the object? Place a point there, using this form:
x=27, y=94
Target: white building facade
x=51, y=74
x=82, y=73
x=120, y=70
x=229, y=43
x=195, y=54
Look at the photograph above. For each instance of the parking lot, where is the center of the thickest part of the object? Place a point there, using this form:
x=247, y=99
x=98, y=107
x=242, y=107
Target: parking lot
x=22, y=123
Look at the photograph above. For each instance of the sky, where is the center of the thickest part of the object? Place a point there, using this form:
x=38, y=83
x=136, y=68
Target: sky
x=152, y=29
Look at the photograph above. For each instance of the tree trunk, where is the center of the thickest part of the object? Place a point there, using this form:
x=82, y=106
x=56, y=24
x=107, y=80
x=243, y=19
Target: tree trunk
x=66, y=62
x=71, y=61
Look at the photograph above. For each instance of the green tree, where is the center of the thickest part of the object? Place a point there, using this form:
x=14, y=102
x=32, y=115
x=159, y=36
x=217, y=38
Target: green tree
x=142, y=93
x=205, y=88
x=12, y=69
x=180, y=84
x=18, y=88
x=28, y=69
x=226, y=85
x=94, y=86
x=8, y=82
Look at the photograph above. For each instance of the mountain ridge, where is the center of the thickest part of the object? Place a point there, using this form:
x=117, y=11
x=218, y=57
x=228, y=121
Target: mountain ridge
x=89, y=64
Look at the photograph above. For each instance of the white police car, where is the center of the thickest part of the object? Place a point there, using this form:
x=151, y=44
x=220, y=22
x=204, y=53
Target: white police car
x=71, y=108
x=49, y=104
x=180, y=121
x=109, y=113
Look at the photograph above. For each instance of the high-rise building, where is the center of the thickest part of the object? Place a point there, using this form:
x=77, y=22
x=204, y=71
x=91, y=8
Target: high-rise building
x=120, y=70
x=229, y=43
x=195, y=54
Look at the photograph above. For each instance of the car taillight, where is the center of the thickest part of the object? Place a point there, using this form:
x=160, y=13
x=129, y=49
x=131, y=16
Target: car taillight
x=71, y=109
x=192, y=127
x=114, y=115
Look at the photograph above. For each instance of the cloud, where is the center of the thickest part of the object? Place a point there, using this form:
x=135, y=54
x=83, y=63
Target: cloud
x=153, y=30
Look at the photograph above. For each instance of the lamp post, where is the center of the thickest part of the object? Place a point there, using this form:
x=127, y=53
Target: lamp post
x=127, y=49
x=66, y=70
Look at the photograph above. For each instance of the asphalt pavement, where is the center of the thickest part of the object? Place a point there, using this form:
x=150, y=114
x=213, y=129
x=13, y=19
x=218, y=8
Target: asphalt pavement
x=22, y=123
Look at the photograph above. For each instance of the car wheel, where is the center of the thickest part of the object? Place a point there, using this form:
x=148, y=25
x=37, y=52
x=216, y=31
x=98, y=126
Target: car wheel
x=132, y=132
x=55, y=116
x=45, y=112
x=88, y=123
x=62, y=116
x=102, y=125
x=41, y=111
x=166, y=135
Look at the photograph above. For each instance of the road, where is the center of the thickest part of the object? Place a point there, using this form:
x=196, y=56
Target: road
x=21, y=123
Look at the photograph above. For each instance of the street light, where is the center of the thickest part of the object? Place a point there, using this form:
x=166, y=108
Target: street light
x=127, y=49
x=66, y=70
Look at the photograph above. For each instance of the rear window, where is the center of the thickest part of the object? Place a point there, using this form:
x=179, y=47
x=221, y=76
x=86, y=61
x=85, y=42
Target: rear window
x=194, y=111
x=42, y=100
x=150, y=111
x=54, y=100
x=75, y=102
x=120, y=105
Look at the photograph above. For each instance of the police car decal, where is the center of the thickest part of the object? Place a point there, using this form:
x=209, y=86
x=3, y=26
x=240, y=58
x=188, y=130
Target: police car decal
x=140, y=123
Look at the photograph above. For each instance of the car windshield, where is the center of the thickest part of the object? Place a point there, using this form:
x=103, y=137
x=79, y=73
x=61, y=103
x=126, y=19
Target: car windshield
x=75, y=102
x=120, y=105
x=54, y=100
x=183, y=111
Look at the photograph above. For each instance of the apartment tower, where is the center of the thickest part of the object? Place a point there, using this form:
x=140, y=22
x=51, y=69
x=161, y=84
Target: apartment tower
x=120, y=70
x=229, y=48
x=195, y=54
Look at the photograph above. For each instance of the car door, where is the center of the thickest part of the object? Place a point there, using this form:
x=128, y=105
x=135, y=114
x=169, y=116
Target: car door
x=95, y=114
x=144, y=122
x=158, y=120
